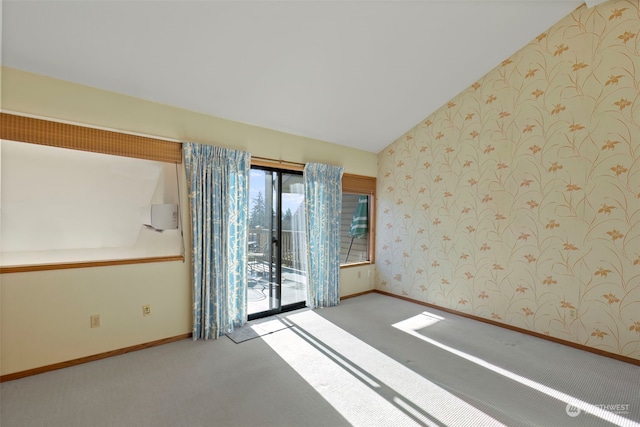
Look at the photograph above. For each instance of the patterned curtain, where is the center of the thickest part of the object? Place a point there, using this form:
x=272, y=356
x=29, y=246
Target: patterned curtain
x=218, y=180
x=323, y=209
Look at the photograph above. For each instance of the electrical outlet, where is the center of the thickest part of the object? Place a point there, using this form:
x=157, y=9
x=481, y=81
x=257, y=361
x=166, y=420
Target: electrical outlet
x=359, y=274
x=95, y=321
x=572, y=313
x=146, y=310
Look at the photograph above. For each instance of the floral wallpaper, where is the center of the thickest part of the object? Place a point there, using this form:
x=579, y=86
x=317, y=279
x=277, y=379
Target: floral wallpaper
x=519, y=200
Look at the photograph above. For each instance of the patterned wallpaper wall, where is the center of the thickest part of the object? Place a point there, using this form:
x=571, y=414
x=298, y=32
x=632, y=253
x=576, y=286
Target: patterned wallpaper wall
x=519, y=200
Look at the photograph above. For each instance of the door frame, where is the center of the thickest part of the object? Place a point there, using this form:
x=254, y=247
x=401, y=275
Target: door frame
x=277, y=241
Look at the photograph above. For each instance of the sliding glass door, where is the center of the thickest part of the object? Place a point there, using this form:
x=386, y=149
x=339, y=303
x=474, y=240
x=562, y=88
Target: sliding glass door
x=277, y=260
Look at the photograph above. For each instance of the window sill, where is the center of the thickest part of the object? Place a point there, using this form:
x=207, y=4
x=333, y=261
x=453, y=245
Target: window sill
x=86, y=264
x=26, y=261
x=356, y=264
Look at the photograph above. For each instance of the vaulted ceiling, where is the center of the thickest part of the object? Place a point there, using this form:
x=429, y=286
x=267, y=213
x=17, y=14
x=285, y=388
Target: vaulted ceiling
x=355, y=73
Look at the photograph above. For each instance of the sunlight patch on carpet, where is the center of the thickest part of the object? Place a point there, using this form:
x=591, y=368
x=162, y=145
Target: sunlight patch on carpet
x=257, y=328
x=416, y=323
x=364, y=385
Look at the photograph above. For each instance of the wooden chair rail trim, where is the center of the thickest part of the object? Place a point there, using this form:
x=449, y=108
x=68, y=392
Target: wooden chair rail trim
x=68, y=265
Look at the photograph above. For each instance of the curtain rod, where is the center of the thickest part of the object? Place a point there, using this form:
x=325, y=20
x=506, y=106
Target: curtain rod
x=280, y=161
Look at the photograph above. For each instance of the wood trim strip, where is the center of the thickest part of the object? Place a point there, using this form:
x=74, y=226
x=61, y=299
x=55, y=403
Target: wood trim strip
x=74, y=362
x=356, y=294
x=64, y=135
x=276, y=164
x=517, y=329
x=355, y=264
x=68, y=265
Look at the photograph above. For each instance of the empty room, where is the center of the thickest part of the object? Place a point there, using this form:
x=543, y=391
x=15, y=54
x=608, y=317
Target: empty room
x=320, y=213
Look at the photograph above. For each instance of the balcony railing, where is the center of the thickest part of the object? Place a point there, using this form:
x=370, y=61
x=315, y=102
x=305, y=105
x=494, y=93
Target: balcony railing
x=261, y=294
x=293, y=256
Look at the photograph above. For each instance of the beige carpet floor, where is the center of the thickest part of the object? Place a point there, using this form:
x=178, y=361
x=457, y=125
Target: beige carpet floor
x=373, y=360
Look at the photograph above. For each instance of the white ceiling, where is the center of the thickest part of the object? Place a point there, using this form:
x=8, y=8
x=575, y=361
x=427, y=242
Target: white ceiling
x=355, y=73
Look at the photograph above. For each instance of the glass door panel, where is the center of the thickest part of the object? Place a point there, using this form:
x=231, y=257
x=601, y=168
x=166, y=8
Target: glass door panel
x=293, y=241
x=276, y=253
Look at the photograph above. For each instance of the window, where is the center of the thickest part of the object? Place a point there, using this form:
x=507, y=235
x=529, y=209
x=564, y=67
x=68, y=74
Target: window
x=354, y=241
x=63, y=208
x=357, y=224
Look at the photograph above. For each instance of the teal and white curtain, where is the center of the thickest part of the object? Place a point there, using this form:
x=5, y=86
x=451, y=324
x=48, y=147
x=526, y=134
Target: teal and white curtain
x=218, y=181
x=323, y=210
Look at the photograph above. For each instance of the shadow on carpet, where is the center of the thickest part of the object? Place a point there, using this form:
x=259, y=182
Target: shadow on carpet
x=258, y=328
